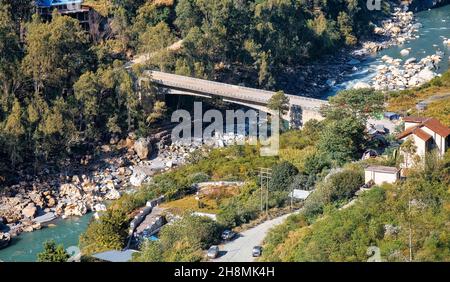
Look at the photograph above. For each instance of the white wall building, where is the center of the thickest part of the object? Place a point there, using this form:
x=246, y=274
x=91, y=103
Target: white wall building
x=381, y=174
x=428, y=134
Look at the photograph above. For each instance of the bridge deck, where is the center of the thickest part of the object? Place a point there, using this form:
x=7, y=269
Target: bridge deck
x=251, y=95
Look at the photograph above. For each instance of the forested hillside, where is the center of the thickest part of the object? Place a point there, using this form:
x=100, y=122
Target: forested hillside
x=64, y=88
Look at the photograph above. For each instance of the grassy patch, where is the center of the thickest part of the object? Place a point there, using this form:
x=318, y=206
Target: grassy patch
x=189, y=203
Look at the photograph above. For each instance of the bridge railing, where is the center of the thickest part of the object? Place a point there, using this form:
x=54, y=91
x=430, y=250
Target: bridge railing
x=260, y=91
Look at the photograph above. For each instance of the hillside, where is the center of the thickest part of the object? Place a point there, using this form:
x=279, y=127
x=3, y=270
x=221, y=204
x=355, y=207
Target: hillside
x=436, y=94
x=380, y=218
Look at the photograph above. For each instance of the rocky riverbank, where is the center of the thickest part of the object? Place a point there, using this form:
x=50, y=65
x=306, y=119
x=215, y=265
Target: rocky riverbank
x=119, y=167
x=401, y=27
x=398, y=75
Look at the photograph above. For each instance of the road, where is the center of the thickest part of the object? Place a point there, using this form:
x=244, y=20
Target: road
x=240, y=249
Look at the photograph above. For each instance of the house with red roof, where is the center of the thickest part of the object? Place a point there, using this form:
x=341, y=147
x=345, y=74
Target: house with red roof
x=427, y=133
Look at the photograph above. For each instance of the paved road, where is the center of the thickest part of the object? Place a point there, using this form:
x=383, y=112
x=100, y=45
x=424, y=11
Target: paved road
x=240, y=249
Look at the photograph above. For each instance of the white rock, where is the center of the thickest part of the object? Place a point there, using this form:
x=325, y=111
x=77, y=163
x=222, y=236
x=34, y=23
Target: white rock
x=112, y=195
x=410, y=61
x=425, y=75
x=137, y=178
x=361, y=85
x=404, y=52
x=99, y=207
x=71, y=191
x=75, y=209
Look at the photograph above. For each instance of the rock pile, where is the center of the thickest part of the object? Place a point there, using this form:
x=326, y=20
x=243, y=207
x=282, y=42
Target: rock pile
x=395, y=75
x=398, y=29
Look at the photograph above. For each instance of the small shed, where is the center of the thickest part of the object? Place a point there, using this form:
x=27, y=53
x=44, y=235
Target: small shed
x=381, y=174
x=115, y=256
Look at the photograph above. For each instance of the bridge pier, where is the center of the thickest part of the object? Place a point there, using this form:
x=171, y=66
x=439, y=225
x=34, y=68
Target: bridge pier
x=295, y=117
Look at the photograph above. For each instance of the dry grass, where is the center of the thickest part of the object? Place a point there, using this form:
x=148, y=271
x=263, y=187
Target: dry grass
x=101, y=6
x=210, y=197
x=189, y=203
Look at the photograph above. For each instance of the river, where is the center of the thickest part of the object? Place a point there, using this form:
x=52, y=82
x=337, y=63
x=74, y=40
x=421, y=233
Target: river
x=25, y=247
x=436, y=25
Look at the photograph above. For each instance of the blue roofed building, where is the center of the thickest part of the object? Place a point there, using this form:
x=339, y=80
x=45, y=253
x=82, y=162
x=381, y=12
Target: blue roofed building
x=72, y=8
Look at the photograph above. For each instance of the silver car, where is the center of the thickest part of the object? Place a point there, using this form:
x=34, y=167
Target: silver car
x=213, y=252
x=257, y=251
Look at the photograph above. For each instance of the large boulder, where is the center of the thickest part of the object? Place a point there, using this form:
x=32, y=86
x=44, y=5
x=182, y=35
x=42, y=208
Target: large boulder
x=30, y=210
x=113, y=194
x=37, y=198
x=137, y=178
x=75, y=209
x=70, y=191
x=142, y=147
x=51, y=202
x=425, y=75
x=99, y=207
x=404, y=52
x=361, y=85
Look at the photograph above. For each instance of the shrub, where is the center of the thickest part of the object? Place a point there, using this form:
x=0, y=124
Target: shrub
x=53, y=253
x=282, y=176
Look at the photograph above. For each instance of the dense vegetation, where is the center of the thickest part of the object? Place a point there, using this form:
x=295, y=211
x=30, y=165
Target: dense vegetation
x=259, y=37
x=387, y=217
x=61, y=92
x=64, y=88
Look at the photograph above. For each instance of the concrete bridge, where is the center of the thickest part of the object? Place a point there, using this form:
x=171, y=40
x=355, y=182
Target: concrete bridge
x=301, y=108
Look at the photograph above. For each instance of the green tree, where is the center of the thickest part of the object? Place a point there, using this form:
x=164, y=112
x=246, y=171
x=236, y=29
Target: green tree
x=282, y=176
x=10, y=55
x=15, y=130
x=188, y=15
x=408, y=150
x=358, y=103
x=155, y=42
x=279, y=103
x=53, y=253
x=343, y=140
x=150, y=252
x=56, y=53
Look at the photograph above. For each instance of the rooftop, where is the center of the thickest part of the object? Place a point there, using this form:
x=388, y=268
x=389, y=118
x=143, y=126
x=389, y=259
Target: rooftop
x=384, y=169
x=115, y=256
x=430, y=123
x=414, y=119
x=50, y=3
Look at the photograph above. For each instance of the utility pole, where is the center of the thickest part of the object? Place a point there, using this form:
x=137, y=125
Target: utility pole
x=265, y=176
x=410, y=231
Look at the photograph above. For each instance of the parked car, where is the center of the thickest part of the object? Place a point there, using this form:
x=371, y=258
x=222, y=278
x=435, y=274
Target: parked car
x=257, y=251
x=228, y=235
x=213, y=252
